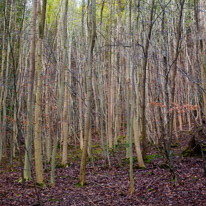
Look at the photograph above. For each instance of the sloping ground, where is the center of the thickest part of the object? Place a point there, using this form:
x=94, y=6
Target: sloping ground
x=153, y=185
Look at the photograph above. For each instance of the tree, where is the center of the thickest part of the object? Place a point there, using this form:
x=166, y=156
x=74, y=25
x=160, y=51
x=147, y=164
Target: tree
x=28, y=139
x=166, y=89
x=66, y=99
x=91, y=41
x=38, y=103
x=136, y=121
x=5, y=70
x=200, y=26
x=182, y=2
x=144, y=76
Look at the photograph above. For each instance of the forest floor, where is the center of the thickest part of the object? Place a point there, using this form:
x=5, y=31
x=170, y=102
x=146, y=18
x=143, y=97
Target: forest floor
x=153, y=185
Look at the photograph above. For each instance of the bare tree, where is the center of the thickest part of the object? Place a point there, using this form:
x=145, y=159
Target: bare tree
x=91, y=40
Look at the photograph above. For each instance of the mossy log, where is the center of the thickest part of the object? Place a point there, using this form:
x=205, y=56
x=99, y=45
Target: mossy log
x=196, y=142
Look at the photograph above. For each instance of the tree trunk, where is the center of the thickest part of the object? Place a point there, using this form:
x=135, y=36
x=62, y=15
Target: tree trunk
x=66, y=98
x=143, y=85
x=91, y=40
x=28, y=139
x=173, y=82
x=38, y=103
